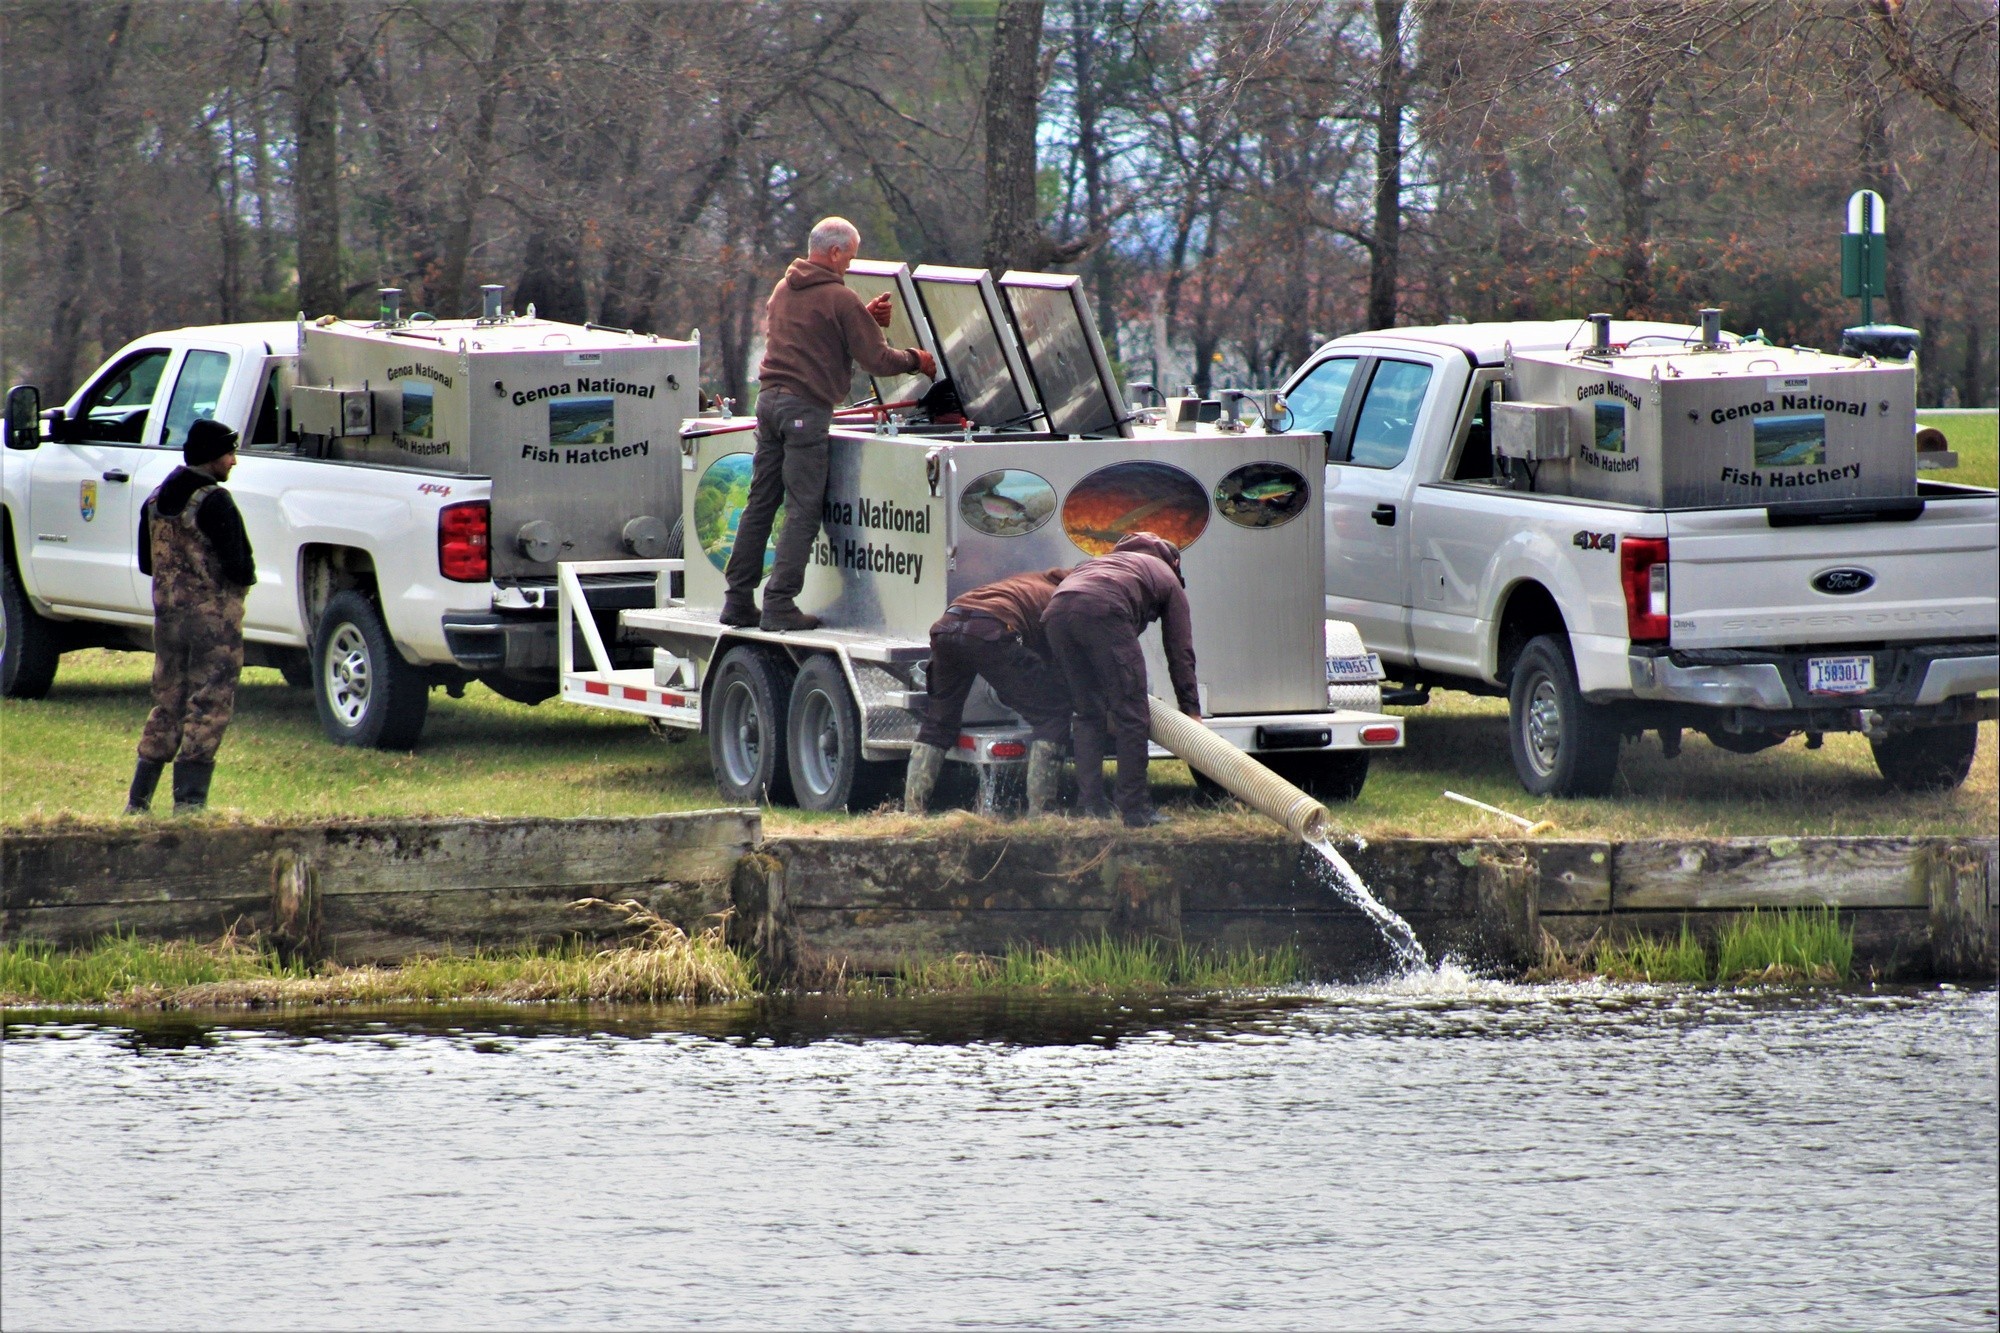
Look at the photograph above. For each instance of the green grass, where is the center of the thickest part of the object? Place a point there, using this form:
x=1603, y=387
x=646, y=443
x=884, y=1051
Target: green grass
x=1098, y=967
x=69, y=757
x=120, y=965
x=1790, y=946
x=1977, y=441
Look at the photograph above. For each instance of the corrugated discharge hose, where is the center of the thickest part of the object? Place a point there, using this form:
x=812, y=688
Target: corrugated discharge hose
x=1236, y=772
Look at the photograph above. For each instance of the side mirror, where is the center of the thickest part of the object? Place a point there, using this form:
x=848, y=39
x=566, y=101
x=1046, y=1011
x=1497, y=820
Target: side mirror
x=24, y=417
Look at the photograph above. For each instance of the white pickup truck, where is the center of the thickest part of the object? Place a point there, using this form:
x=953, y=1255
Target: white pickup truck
x=407, y=487
x=1655, y=528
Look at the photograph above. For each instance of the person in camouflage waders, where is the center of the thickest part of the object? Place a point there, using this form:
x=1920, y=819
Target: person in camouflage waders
x=191, y=540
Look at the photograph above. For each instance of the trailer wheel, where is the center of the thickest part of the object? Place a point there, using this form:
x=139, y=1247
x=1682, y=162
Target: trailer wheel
x=29, y=652
x=745, y=710
x=1563, y=745
x=365, y=693
x=1933, y=759
x=676, y=546
x=823, y=740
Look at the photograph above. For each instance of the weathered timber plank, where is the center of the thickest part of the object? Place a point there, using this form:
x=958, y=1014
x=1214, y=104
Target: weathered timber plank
x=1767, y=872
x=875, y=940
x=130, y=866
x=1572, y=876
x=188, y=919
x=388, y=927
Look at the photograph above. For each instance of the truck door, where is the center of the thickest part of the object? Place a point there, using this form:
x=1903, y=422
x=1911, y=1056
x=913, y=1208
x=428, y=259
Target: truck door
x=1370, y=473
x=84, y=505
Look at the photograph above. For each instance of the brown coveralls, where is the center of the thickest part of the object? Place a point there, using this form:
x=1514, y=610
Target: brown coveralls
x=817, y=329
x=996, y=631
x=1093, y=623
x=197, y=619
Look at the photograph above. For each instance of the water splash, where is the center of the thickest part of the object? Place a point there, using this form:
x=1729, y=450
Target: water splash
x=1410, y=956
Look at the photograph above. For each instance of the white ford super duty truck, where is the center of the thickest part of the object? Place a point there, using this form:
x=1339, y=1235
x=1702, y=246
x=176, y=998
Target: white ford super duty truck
x=1628, y=527
x=407, y=487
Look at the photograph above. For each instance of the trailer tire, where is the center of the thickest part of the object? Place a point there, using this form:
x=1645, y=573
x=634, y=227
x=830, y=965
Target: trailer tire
x=365, y=693
x=1932, y=759
x=823, y=741
x=744, y=710
x=29, y=651
x=1562, y=744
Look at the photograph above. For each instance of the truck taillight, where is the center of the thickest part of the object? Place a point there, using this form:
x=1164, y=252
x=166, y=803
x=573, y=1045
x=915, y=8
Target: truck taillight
x=1642, y=566
x=465, y=548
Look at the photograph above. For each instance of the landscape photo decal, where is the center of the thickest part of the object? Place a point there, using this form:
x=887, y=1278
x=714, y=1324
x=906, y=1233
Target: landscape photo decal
x=1138, y=496
x=1261, y=495
x=719, y=498
x=1007, y=503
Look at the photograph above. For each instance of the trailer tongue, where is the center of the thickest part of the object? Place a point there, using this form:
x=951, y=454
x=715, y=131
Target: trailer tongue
x=1033, y=460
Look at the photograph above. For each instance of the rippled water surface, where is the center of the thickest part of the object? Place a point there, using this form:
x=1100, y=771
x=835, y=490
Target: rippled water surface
x=1447, y=1154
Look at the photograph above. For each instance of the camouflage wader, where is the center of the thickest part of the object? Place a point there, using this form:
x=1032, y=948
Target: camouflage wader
x=197, y=642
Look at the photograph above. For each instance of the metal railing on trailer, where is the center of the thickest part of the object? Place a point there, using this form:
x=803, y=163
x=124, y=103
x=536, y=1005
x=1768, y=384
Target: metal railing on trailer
x=628, y=689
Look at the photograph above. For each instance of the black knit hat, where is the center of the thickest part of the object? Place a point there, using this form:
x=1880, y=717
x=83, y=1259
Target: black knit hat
x=207, y=441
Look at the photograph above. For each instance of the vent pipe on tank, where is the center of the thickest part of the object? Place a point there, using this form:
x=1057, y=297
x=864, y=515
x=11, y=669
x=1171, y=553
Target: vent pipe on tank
x=1711, y=327
x=391, y=311
x=1600, y=334
x=491, y=309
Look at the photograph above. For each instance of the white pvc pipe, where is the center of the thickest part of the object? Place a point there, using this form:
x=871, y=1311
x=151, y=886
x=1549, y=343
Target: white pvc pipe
x=1236, y=772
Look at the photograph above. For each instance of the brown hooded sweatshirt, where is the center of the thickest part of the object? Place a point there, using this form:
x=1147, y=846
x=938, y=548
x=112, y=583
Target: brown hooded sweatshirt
x=817, y=328
x=1017, y=603
x=1132, y=587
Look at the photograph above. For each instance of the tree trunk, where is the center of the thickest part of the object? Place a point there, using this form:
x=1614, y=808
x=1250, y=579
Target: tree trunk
x=1631, y=163
x=1013, y=97
x=1090, y=154
x=1970, y=386
x=454, y=253
x=1878, y=170
x=89, y=83
x=1388, y=229
x=315, y=182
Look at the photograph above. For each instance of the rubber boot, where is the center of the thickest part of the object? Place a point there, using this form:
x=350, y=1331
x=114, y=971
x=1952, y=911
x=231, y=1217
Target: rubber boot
x=781, y=616
x=1044, y=776
x=739, y=611
x=191, y=786
x=145, y=778
x=926, y=762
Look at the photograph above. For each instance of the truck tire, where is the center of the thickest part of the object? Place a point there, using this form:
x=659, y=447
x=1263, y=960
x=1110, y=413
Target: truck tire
x=1933, y=759
x=744, y=709
x=1563, y=745
x=29, y=651
x=364, y=691
x=823, y=743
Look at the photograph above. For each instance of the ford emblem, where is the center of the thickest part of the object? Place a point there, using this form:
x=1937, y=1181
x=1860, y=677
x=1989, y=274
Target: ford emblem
x=1840, y=582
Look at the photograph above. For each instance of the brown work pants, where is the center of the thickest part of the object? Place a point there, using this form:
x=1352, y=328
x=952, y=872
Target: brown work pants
x=197, y=656
x=964, y=648
x=790, y=469
x=1105, y=670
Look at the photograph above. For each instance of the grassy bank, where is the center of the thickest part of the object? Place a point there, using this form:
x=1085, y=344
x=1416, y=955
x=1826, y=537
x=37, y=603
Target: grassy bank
x=69, y=757
x=1789, y=947
x=1977, y=442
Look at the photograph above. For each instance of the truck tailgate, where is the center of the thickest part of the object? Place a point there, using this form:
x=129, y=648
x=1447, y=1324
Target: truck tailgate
x=1738, y=582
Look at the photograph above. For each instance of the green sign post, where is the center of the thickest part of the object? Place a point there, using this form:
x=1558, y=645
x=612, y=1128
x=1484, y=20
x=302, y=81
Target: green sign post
x=1864, y=252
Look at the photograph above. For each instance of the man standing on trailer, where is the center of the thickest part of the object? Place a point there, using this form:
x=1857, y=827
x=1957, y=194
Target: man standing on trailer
x=994, y=631
x=191, y=540
x=816, y=330
x=1093, y=623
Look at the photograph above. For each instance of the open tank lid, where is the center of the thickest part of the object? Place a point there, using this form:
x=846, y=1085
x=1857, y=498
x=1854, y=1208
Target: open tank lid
x=868, y=278
x=976, y=348
x=1059, y=339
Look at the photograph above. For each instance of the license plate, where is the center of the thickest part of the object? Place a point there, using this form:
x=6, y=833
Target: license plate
x=1840, y=675
x=1360, y=670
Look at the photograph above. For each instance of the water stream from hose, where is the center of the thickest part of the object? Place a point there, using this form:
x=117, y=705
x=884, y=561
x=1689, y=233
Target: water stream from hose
x=1340, y=876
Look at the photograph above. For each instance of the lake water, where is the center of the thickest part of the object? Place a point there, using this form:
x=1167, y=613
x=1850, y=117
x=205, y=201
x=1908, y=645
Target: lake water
x=1436, y=1153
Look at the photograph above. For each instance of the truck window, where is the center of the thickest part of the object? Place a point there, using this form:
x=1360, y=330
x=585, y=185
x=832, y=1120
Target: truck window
x=1388, y=418
x=114, y=410
x=1475, y=459
x=1315, y=400
x=266, y=433
x=196, y=393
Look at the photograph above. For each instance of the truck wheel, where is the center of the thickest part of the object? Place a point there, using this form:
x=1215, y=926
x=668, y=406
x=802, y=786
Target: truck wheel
x=28, y=649
x=1933, y=759
x=1563, y=746
x=745, y=708
x=1335, y=775
x=823, y=742
x=366, y=694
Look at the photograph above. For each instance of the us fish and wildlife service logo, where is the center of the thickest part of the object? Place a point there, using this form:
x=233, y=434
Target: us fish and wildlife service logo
x=86, y=500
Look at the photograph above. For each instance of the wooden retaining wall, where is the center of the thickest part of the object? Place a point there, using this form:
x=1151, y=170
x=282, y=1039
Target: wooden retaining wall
x=1919, y=907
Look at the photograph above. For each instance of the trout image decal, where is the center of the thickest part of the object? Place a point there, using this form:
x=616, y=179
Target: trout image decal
x=1008, y=503
x=1261, y=495
x=1140, y=496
